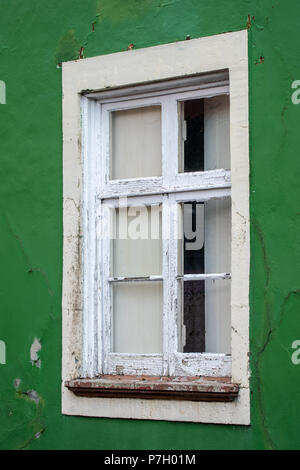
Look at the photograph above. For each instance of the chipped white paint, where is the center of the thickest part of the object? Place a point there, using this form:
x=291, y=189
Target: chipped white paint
x=2, y=352
x=226, y=51
x=34, y=396
x=2, y=92
x=34, y=350
x=91, y=321
x=203, y=277
x=17, y=383
x=135, y=279
x=135, y=364
x=204, y=364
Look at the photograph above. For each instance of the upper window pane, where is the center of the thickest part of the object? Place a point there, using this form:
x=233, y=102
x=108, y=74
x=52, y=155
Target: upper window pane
x=204, y=133
x=135, y=143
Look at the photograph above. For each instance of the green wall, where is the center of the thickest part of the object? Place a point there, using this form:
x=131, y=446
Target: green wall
x=35, y=35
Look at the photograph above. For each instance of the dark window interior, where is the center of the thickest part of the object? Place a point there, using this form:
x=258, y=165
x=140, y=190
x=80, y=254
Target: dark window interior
x=194, y=143
x=194, y=292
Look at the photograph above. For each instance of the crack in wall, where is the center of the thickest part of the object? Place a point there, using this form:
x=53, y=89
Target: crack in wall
x=37, y=423
x=31, y=269
x=37, y=435
x=271, y=330
x=88, y=35
x=262, y=415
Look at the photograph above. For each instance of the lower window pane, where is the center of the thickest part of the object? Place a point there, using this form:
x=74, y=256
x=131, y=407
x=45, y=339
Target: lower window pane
x=205, y=246
x=194, y=316
x=205, y=316
x=217, y=316
x=137, y=317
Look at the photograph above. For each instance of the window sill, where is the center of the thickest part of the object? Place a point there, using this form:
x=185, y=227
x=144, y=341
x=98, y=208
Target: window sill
x=208, y=389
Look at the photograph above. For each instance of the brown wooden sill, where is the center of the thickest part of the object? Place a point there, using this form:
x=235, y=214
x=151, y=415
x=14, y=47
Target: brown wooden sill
x=166, y=388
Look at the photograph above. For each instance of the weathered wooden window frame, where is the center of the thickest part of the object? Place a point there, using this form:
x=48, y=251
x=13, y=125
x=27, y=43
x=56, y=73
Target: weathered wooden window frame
x=169, y=190
x=201, y=56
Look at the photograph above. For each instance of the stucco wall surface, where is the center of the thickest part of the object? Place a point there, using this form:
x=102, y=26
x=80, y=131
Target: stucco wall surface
x=35, y=37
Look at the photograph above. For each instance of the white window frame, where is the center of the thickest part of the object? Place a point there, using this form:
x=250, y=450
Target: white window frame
x=82, y=313
x=169, y=190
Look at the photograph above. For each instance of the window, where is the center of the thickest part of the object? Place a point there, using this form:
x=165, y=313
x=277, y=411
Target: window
x=163, y=227
x=163, y=232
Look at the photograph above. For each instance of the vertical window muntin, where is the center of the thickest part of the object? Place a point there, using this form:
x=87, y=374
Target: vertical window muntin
x=169, y=187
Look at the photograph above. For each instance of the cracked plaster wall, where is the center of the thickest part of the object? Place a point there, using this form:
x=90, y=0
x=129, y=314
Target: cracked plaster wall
x=35, y=37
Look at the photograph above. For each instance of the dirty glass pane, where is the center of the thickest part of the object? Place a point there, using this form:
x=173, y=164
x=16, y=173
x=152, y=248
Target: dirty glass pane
x=137, y=317
x=205, y=320
x=217, y=316
x=135, y=143
x=137, y=246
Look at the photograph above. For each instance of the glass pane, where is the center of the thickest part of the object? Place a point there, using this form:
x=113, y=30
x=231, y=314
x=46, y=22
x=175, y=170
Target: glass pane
x=137, y=317
x=136, y=143
x=217, y=316
x=205, y=320
x=218, y=236
x=193, y=316
x=192, y=136
x=205, y=246
x=137, y=247
x=204, y=134
x=193, y=237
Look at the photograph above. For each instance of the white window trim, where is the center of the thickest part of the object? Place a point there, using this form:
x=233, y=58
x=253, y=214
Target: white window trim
x=226, y=51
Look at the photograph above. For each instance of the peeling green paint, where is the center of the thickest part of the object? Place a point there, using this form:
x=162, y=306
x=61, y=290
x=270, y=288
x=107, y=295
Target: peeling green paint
x=34, y=37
